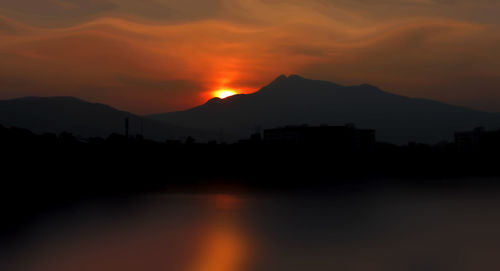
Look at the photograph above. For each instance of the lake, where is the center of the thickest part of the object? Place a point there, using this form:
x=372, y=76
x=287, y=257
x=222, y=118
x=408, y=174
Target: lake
x=380, y=229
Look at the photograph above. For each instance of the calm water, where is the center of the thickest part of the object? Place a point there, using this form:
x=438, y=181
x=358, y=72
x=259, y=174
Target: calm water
x=384, y=230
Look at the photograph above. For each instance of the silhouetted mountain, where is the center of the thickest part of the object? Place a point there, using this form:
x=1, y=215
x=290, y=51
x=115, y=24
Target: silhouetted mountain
x=295, y=100
x=84, y=119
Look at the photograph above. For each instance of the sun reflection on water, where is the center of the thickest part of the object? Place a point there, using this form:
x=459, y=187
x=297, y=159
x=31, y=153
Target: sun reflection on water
x=224, y=246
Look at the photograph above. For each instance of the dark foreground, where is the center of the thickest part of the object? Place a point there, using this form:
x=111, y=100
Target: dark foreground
x=45, y=173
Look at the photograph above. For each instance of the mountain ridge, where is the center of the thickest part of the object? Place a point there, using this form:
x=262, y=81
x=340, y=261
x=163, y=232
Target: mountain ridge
x=85, y=119
x=292, y=100
x=295, y=100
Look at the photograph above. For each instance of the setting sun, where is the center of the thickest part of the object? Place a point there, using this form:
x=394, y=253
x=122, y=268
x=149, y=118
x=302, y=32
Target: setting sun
x=224, y=93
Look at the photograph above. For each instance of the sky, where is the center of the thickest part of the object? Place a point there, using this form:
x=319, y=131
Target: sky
x=154, y=56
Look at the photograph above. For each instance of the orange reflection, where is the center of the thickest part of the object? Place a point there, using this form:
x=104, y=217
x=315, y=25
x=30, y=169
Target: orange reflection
x=225, y=202
x=224, y=247
x=222, y=250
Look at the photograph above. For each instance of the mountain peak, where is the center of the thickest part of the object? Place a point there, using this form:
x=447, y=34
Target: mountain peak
x=295, y=76
x=294, y=100
x=295, y=85
x=280, y=78
x=284, y=79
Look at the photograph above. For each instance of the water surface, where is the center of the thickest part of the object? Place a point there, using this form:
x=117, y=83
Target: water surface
x=376, y=230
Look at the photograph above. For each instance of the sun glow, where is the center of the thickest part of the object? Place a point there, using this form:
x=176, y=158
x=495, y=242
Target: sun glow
x=224, y=93
x=225, y=245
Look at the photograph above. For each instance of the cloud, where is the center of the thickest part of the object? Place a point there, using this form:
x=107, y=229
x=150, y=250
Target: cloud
x=52, y=13
x=153, y=56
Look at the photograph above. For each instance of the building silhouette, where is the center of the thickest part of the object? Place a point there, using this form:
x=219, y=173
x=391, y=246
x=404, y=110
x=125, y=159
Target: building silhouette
x=478, y=140
x=346, y=138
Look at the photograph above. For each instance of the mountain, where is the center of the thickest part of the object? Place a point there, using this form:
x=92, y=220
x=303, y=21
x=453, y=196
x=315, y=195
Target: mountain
x=295, y=100
x=84, y=119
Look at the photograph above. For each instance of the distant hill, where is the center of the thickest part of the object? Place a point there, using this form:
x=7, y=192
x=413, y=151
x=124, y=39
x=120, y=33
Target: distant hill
x=295, y=100
x=84, y=119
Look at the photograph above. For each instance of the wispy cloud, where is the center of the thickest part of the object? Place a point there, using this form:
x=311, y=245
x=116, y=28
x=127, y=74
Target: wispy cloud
x=159, y=55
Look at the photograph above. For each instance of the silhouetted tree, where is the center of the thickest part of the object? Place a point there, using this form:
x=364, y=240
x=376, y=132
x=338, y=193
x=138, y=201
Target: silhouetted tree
x=190, y=140
x=67, y=138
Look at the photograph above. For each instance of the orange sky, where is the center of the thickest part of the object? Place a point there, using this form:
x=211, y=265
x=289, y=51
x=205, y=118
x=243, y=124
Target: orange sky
x=155, y=56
